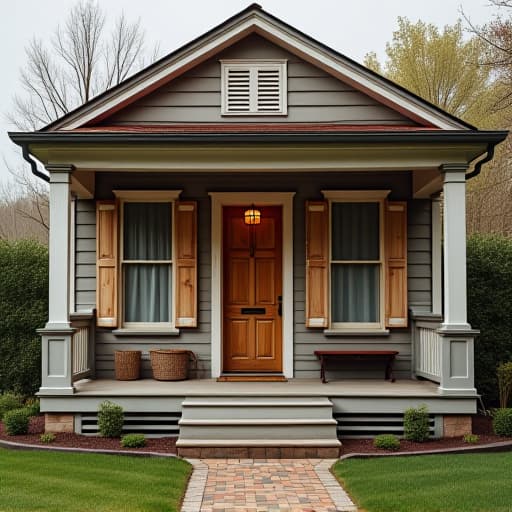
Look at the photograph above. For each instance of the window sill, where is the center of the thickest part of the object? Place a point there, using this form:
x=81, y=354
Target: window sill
x=338, y=333
x=146, y=332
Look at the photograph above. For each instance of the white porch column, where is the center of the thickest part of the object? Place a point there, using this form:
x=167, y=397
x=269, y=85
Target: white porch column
x=457, y=359
x=57, y=355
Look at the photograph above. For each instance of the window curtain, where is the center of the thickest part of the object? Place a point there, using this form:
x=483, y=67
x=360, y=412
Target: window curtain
x=355, y=286
x=147, y=236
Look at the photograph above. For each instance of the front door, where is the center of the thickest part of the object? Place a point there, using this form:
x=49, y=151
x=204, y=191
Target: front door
x=252, y=280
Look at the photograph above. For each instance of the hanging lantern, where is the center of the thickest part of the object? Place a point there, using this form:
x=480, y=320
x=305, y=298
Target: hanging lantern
x=252, y=216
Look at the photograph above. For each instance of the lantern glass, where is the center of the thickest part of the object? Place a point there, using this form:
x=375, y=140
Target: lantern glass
x=252, y=217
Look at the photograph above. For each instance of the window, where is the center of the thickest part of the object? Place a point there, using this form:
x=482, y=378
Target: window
x=146, y=263
x=356, y=264
x=147, y=281
x=254, y=87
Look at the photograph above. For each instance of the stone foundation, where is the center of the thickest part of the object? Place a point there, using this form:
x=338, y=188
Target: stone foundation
x=59, y=423
x=456, y=425
x=259, y=452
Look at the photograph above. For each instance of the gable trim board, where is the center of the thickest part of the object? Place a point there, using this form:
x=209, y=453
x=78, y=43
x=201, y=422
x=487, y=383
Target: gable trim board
x=255, y=20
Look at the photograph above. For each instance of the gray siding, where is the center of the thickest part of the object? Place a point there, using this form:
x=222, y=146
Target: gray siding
x=306, y=186
x=85, y=261
x=313, y=95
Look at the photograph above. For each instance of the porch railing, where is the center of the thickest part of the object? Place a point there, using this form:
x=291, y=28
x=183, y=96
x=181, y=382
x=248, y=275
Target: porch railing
x=427, y=346
x=82, y=345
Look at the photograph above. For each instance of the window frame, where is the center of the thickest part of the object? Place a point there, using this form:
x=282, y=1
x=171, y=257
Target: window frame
x=253, y=65
x=359, y=196
x=146, y=196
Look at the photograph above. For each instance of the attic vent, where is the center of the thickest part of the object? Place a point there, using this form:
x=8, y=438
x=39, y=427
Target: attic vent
x=253, y=87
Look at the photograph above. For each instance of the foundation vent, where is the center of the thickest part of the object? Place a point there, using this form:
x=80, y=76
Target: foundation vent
x=360, y=425
x=149, y=424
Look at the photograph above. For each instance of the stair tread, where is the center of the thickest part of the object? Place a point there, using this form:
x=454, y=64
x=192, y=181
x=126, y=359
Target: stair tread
x=258, y=421
x=302, y=443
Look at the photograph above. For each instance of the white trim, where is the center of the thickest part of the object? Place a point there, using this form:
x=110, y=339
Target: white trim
x=256, y=21
x=147, y=195
x=359, y=196
x=220, y=199
x=437, y=285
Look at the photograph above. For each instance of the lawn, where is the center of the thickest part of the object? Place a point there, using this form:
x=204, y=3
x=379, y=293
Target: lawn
x=52, y=481
x=433, y=483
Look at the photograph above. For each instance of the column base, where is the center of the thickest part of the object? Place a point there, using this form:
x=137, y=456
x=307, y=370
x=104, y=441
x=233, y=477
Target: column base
x=55, y=391
x=457, y=425
x=57, y=423
x=457, y=391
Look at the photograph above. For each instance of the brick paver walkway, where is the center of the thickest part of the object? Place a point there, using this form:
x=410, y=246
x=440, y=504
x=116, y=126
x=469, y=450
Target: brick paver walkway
x=283, y=485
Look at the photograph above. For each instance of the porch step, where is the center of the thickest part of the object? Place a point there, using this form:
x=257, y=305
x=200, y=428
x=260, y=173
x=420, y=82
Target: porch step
x=241, y=421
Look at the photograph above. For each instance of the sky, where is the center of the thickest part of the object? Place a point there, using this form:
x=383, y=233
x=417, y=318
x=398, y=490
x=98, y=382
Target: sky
x=353, y=27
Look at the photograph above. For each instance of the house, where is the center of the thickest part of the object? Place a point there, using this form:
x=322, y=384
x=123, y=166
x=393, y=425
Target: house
x=254, y=197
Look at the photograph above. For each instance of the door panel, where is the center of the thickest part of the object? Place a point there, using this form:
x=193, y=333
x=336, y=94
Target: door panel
x=252, y=281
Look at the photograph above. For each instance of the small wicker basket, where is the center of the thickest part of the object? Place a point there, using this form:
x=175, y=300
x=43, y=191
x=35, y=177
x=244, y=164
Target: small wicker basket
x=171, y=364
x=127, y=364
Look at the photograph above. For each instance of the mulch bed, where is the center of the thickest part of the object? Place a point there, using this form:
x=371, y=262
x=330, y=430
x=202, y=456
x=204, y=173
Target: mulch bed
x=482, y=425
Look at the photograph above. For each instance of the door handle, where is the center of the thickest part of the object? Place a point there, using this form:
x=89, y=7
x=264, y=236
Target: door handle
x=280, y=305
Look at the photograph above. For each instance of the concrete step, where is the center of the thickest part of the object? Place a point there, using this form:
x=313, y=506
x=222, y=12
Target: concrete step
x=241, y=420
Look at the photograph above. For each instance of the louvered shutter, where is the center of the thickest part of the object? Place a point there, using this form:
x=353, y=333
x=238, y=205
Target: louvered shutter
x=269, y=90
x=317, y=260
x=106, y=263
x=186, y=263
x=396, y=263
x=238, y=87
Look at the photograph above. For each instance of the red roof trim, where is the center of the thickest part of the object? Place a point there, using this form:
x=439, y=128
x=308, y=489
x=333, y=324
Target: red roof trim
x=251, y=128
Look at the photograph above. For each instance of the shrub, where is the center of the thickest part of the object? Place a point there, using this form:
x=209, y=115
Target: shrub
x=471, y=438
x=9, y=402
x=16, y=422
x=490, y=277
x=387, y=442
x=47, y=438
x=23, y=309
x=110, y=419
x=504, y=374
x=32, y=406
x=133, y=441
x=416, y=424
x=502, y=422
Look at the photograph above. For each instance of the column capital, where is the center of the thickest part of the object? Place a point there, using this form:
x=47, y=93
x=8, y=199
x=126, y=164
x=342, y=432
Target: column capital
x=59, y=173
x=454, y=172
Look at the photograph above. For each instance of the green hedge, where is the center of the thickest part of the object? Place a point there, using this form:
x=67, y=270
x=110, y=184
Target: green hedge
x=23, y=309
x=489, y=261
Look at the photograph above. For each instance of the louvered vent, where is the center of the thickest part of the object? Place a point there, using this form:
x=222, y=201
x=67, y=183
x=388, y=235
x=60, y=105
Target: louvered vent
x=239, y=92
x=254, y=87
x=269, y=97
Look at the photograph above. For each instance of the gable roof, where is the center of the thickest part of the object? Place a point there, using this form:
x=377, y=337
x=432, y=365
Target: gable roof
x=254, y=19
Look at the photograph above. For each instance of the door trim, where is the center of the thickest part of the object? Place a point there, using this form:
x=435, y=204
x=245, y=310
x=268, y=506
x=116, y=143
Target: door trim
x=220, y=199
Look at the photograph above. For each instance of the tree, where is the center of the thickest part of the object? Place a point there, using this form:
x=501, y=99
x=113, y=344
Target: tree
x=82, y=59
x=441, y=67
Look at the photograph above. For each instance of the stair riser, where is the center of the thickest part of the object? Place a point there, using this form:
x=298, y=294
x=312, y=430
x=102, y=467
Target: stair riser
x=244, y=432
x=251, y=412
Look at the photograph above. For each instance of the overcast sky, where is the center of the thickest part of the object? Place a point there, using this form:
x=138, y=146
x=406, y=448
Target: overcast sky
x=353, y=27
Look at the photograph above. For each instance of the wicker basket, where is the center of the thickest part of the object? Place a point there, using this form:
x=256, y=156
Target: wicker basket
x=171, y=364
x=127, y=364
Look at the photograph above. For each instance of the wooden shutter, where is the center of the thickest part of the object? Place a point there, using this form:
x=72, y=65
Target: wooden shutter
x=317, y=260
x=106, y=263
x=238, y=94
x=396, y=263
x=186, y=263
x=269, y=90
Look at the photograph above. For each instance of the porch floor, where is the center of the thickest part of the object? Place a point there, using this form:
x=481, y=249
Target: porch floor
x=293, y=387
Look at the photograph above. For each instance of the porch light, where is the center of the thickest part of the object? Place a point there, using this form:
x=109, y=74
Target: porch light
x=252, y=216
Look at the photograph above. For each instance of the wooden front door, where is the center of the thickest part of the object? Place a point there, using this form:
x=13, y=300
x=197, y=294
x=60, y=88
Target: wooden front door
x=252, y=279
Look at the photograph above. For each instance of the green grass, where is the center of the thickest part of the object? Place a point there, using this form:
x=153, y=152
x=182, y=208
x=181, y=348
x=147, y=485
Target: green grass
x=431, y=483
x=73, y=482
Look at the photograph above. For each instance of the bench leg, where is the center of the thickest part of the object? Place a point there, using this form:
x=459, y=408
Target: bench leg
x=389, y=369
x=322, y=369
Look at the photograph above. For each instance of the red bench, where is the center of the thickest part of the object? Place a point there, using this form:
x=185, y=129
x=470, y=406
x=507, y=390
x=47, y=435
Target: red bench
x=388, y=356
